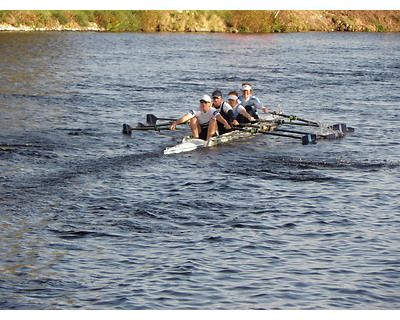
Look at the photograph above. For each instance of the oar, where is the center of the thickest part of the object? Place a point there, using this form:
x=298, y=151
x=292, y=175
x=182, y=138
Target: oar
x=282, y=121
x=139, y=124
x=294, y=118
x=151, y=119
x=341, y=126
x=298, y=123
x=309, y=138
x=331, y=136
x=127, y=129
x=277, y=121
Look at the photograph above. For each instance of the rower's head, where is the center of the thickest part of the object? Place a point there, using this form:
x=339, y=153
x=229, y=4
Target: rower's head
x=217, y=98
x=247, y=90
x=233, y=98
x=205, y=102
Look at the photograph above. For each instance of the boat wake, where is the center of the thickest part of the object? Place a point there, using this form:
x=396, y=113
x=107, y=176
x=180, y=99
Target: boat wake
x=295, y=169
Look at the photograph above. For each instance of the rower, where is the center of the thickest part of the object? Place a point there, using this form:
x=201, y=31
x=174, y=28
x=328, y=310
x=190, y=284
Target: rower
x=251, y=103
x=240, y=115
x=203, y=121
x=224, y=109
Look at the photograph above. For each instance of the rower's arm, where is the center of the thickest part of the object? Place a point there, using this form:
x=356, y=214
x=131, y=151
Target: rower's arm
x=223, y=121
x=183, y=119
x=246, y=115
x=256, y=103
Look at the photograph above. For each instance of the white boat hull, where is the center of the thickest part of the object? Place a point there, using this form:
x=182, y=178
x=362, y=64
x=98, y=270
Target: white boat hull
x=187, y=145
x=190, y=144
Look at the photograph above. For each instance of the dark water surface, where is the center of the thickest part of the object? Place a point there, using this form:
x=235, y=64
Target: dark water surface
x=93, y=219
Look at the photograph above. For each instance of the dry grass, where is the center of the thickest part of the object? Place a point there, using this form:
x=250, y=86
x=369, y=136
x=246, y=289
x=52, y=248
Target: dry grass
x=263, y=21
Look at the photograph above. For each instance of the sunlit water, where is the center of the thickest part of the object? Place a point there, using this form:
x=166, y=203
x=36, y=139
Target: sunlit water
x=93, y=219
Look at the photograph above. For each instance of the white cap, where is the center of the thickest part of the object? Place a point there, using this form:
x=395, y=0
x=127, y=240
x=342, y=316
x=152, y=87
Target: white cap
x=206, y=98
x=232, y=97
x=246, y=88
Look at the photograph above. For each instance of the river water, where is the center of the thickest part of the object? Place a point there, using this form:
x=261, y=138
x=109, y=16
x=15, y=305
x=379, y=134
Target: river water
x=93, y=219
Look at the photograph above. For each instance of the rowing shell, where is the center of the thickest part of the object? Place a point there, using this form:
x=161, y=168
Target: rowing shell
x=189, y=144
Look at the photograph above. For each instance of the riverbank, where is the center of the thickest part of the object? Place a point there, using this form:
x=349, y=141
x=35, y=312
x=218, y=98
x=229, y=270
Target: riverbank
x=237, y=21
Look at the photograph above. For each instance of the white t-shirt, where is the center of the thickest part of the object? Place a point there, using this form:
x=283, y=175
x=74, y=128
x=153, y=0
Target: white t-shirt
x=252, y=101
x=237, y=110
x=204, y=117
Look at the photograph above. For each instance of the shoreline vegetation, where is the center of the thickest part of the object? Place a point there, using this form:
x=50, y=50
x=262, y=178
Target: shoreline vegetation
x=228, y=21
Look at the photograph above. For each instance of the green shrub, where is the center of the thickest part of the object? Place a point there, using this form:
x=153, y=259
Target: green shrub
x=60, y=16
x=379, y=26
x=82, y=18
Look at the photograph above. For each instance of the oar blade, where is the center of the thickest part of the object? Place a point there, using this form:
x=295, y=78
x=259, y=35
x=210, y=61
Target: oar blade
x=309, y=138
x=151, y=119
x=332, y=136
x=341, y=127
x=126, y=129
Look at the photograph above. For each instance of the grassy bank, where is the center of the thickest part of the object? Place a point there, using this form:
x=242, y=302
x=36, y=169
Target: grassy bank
x=257, y=21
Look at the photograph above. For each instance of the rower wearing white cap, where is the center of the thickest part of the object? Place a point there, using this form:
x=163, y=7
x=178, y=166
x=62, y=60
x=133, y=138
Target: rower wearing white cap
x=203, y=121
x=240, y=115
x=251, y=103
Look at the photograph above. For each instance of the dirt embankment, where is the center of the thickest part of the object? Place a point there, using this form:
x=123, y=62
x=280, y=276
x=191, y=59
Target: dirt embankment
x=345, y=20
x=243, y=21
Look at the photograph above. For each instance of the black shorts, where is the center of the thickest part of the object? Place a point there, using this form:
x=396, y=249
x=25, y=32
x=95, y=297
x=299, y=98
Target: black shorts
x=242, y=119
x=203, y=132
x=252, y=112
x=221, y=128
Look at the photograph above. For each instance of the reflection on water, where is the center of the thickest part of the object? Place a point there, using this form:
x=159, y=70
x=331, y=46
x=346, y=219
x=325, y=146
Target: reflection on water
x=30, y=62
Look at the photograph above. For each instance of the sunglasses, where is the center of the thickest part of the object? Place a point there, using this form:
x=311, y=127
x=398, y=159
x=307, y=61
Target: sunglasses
x=203, y=101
